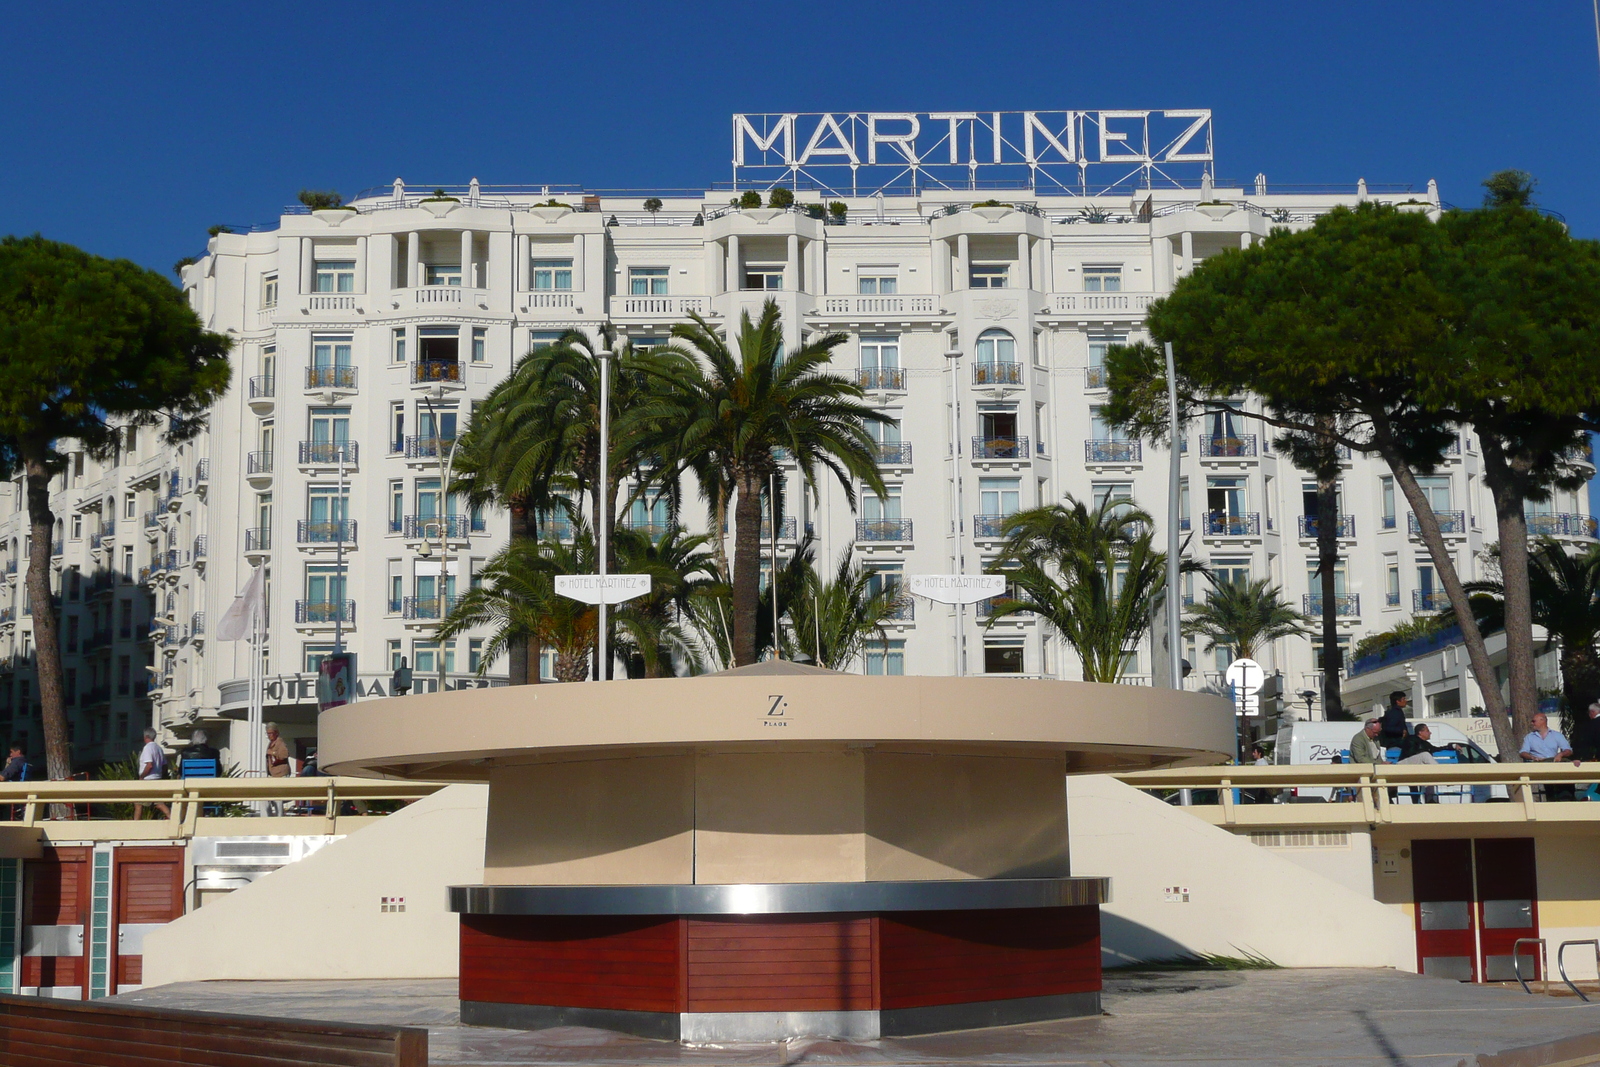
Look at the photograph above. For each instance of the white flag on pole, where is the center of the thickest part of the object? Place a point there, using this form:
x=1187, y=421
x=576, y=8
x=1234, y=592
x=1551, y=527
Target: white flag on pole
x=235, y=624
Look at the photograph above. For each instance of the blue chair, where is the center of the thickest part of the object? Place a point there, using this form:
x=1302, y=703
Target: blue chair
x=198, y=768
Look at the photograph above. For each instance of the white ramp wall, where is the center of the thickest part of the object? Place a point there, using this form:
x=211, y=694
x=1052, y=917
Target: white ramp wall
x=1241, y=898
x=323, y=917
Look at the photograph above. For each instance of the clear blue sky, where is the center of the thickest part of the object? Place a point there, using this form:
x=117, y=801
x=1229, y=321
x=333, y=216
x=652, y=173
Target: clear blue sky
x=129, y=128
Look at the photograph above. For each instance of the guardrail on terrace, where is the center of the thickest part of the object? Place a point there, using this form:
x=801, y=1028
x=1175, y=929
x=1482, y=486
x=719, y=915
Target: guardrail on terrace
x=32, y=803
x=1322, y=793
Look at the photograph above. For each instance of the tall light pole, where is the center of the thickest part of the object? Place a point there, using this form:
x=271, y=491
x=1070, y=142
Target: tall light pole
x=1174, y=502
x=604, y=356
x=343, y=504
x=447, y=459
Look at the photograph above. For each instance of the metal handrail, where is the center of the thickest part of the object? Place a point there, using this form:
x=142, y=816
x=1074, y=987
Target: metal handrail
x=1544, y=954
x=1561, y=961
x=187, y=796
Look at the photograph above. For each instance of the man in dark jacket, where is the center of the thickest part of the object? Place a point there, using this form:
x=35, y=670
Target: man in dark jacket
x=1392, y=727
x=1417, y=748
x=1586, y=735
x=16, y=764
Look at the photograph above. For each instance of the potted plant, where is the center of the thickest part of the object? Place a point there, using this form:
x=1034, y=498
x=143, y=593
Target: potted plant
x=814, y=211
x=551, y=209
x=749, y=198
x=750, y=207
x=653, y=205
x=837, y=210
x=1094, y=213
x=328, y=205
x=993, y=210
x=440, y=203
x=780, y=198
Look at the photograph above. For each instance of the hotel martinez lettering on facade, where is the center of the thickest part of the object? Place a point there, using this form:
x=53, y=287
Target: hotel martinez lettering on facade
x=980, y=267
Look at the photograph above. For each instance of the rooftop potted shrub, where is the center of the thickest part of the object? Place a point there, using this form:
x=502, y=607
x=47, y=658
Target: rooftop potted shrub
x=653, y=206
x=327, y=205
x=440, y=203
x=551, y=209
x=837, y=211
x=993, y=210
x=780, y=197
x=750, y=207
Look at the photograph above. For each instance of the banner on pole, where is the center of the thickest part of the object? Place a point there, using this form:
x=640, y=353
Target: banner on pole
x=593, y=589
x=957, y=588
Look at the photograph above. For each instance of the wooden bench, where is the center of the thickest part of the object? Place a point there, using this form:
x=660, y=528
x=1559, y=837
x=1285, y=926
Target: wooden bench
x=36, y=1032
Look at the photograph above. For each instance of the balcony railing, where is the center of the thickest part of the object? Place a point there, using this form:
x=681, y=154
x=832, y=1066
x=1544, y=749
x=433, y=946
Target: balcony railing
x=883, y=529
x=1391, y=600
x=997, y=374
x=428, y=447
x=328, y=453
x=786, y=529
x=894, y=303
x=197, y=624
x=326, y=533
x=258, y=463
x=262, y=386
x=1309, y=526
x=1112, y=451
x=1450, y=522
x=202, y=471
x=153, y=518
x=258, y=539
x=1429, y=600
x=58, y=548
x=1345, y=605
x=316, y=611
x=986, y=607
x=904, y=610
x=1245, y=525
x=882, y=379
x=436, y=370
x=97, y=639
x=657, y=530
x=200, y=546
x=989, y=526
x=1228, y=447
x=1560, y=525
x=999, y=448
x=432, y=527
x=1094, y=378
x=427, y=607
x=330, y=377
x=893, y=453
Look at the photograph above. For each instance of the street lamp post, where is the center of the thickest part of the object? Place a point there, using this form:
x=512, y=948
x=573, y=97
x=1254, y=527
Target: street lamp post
x=447, y=459
x=604, y=356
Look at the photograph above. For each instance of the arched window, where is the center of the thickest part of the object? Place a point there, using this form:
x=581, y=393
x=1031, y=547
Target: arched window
x=996, y=346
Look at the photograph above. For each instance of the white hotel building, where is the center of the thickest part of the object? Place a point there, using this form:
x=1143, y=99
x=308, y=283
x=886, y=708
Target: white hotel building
x=364, y=337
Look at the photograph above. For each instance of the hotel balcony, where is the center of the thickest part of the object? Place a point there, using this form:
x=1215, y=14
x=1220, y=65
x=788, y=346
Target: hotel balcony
x=1345, y=605
x=319, y=612
x=882, y=379
x=427, y=607
x=437, y=372
x=989, y=527
x=326, y=533
x=428, y=447
x=999, y=448
x=329, y=453
x=1308, y=527
x=258, y=539
x=997, y=374
x=433, y=527
x=1112, y=451
x=893, y=453
x=1561, y=525
x=1242, y=446
x=1451, y=523
x=334, y=379
x=883, y=530
x=1247, y=524
x=1429, y=600
x=261, y=393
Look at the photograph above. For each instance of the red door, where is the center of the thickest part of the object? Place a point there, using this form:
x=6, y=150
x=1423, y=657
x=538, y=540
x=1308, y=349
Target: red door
x=55, y=913
x=149, y=893
x=1508, y=906
x=1441, y=881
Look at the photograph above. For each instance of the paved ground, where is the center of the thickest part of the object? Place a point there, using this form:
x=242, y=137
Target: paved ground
x=1341, y=1018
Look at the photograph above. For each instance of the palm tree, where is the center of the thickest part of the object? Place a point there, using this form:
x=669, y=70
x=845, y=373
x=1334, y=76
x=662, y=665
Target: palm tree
x=536, y=437
x=732, y=408
x=1566, y=602
x=518, y=600
x=653, y=628
x=1244, y=616
x=833, y=620
x=1092, y=573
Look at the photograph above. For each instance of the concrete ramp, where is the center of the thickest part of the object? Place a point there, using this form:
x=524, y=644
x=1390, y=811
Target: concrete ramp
x=369, y=906
x=1240, y=898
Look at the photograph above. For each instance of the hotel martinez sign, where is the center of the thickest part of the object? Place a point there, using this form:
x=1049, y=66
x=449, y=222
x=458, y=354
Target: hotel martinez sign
x=1050, y=152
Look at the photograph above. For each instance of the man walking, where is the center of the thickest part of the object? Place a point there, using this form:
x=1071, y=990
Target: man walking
x=1544, y=745
x=152, y=768
x=1393, y=728
x=277, y=763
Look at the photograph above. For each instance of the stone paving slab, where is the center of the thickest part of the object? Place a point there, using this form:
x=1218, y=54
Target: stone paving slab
x=1334, y=1017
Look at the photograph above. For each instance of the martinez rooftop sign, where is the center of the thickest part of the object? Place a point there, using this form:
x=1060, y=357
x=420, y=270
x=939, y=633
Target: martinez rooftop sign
x=1050, y=152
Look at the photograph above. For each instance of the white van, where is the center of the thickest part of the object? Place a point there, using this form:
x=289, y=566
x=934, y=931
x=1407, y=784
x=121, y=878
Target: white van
x=1318, y=742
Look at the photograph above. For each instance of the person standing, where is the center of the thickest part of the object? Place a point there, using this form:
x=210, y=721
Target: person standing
x=152, y=768
x=1544, y=745
x=1586, y=743
x=277, y=753
x=1393, y=727
x=1258, y=758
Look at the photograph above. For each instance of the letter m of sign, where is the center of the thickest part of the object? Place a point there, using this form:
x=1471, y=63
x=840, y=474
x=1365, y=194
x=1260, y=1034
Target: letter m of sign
x=777, y=126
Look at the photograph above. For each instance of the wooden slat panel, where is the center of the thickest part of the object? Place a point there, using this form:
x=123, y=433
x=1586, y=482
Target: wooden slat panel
x=955, y=957
x=618, y=962
x=35, y=1033
x=792, y=963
